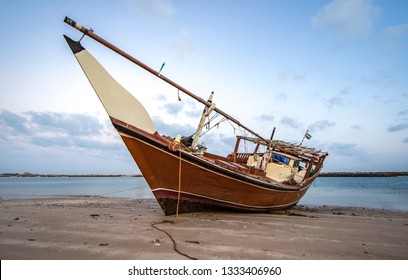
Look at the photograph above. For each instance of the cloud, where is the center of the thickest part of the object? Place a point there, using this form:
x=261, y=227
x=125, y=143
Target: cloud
x=397, y=30
x=50, y=129
x=345, y=91
x=401, y=124
x=347, y=18
x=356, y=127
x=185, y=42
x=265, y=117
x=13, y=121
x=290, y=122
x=173, y=129
x=334, y=101
x=187, y=107
x=161, y=97
x=193, y=113
x=154, y=9
x=50, y=142
x=214, y=139
x=380, y=77
x=348, y=150
x=285, y=76
x=80, y=143
x=403, y=113
x=394, y=38
x=281, y=96
x=338, y=100
x=398, y=127
x=173, y=108
x=72, y=124
x=321, y=125
x=219, y=143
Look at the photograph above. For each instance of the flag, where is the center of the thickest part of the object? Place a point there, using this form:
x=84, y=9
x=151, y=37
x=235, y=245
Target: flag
x=308, y=135
x=161, y=68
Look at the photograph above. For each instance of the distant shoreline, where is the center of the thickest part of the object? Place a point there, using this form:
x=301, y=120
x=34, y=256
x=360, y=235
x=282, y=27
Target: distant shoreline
x=26, y=174
x=363, y=174
x=323, y=174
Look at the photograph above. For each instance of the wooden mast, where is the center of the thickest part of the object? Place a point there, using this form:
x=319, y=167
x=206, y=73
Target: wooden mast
x=90, y=33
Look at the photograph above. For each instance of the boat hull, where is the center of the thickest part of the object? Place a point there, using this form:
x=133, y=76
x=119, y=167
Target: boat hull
x=191, y=183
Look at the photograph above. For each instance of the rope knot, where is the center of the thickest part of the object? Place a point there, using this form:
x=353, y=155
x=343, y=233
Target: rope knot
x=173, y=146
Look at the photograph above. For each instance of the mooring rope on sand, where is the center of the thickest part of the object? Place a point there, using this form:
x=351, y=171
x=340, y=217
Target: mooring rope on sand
x=172, y=239
x=121, y=191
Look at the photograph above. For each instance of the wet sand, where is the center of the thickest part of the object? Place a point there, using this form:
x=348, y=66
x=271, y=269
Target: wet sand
x=76, y=228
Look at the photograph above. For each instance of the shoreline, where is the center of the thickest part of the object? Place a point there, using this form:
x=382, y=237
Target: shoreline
x=115, y=228
x=26, y=174
x=362, y=174
x=298, y=207
x=322, y=174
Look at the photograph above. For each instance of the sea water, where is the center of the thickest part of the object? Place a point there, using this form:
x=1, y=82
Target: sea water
x=46, y=187
x=371, y=192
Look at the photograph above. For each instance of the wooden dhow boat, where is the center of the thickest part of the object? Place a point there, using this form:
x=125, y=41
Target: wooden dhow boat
x=182, y=175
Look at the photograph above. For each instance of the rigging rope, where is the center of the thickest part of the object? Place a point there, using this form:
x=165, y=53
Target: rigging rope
x=179, y=185
x=231, y=125
x=218, y=123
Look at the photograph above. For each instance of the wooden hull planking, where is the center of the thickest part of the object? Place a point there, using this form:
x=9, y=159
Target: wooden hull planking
x=202, y=184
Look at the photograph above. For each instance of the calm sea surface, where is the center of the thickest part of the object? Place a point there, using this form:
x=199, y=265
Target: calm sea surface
x=372, y=192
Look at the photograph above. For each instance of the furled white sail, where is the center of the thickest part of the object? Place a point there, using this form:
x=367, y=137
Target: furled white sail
x=117, y=101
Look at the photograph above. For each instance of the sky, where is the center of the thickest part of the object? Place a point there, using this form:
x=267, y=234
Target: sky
x=335, y=68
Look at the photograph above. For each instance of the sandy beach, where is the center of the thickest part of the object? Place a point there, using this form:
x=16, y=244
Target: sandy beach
x=76, y=228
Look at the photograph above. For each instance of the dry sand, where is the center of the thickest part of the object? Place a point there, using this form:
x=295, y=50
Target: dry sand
x=108, y=228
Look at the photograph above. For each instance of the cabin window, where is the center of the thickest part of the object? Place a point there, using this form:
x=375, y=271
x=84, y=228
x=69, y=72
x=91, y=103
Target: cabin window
x=301, y=164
